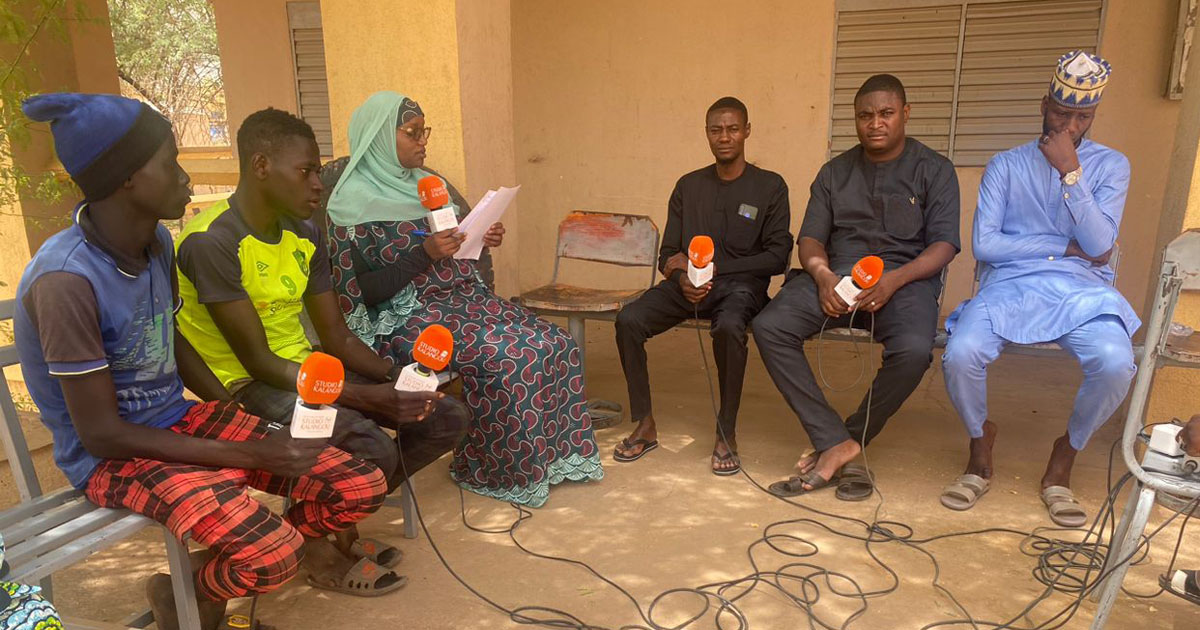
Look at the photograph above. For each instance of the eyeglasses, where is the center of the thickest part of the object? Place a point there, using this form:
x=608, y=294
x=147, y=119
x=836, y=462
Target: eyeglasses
x=417, y=135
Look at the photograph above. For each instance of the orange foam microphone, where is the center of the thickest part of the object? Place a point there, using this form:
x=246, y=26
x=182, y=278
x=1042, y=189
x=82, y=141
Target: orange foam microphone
x=700, y=255
x=863, y=276
x=319, y=383
x=432, y=354
x=432, y=193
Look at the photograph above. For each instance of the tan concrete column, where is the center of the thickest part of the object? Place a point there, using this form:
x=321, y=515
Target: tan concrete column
x=1174, y=389
x=82, y=61
x=455, y=59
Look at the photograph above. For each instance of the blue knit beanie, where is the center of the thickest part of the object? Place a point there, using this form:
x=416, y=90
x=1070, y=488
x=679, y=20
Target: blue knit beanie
x=101, y=139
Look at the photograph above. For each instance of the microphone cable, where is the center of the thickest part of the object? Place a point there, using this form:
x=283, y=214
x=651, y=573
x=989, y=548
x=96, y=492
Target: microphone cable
x=799, y=581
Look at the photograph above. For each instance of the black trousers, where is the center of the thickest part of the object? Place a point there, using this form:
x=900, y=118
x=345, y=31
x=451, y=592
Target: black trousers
x=730, y=306
x=905, y=326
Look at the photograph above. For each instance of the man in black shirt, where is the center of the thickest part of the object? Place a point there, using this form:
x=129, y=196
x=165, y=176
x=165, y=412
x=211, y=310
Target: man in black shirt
x=895, y=198
x=746, y=212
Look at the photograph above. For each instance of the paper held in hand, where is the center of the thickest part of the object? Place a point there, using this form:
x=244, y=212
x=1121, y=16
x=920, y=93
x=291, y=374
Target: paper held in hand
x=482, y=216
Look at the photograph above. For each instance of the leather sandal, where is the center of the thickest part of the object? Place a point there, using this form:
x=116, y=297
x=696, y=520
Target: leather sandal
x=794, y=486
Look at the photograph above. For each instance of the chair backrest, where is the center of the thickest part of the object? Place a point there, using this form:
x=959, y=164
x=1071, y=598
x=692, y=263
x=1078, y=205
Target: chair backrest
x=16, y=448
x=1114, y=261
x=628, y=240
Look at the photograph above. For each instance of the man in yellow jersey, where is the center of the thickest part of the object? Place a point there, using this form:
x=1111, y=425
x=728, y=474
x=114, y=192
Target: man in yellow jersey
x=247, y=267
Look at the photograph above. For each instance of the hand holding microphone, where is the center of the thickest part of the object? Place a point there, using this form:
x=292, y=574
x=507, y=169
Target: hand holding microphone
x=867, y=285
x=414, y=393
x=431, y=191
x=294, y=452
x=431, y=352
x=697, y=282
x=838, y=297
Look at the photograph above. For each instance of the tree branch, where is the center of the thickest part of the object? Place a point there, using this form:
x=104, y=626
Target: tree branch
x=133, y=83
x=24, y=47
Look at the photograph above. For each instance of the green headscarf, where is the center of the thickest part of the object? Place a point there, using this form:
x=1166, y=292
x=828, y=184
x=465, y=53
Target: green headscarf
x=375, y=186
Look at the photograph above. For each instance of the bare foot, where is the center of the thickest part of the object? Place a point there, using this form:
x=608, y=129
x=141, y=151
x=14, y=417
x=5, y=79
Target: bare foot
x=344, y=541
x=162, y=605
x=807, y=461
x=1058, y=469
x=980, y=461
x=831, y=460
x=727, y=464
x=328, y=565
x=645, y=430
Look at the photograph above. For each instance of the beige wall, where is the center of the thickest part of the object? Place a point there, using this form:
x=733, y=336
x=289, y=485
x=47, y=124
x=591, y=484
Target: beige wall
x=368, y=48
x=1174, y=393
x=1139, y=121
x=256, y=58
x=609, y=101
x=605, y=105
x=486, y=98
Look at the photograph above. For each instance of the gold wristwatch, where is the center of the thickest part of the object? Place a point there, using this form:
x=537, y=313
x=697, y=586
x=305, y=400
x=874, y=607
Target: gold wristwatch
x=1072, y=178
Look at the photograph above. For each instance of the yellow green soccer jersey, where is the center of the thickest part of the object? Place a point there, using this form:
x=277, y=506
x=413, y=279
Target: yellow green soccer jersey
x=222, y=260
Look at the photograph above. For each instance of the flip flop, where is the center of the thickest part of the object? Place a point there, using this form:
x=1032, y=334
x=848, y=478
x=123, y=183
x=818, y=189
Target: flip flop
x=647, y=446
x=375, y=551
x=727, y=457
x=965, y=491
x=856, y=483
x=1185, y=584
x=361, y=579
x=1064, y=510
x=794, y=486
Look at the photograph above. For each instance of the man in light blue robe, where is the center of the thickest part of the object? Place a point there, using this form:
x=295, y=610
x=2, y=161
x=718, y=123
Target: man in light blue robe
x=1048, y=217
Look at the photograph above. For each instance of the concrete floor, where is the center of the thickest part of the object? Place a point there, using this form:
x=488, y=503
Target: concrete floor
x=666, y=522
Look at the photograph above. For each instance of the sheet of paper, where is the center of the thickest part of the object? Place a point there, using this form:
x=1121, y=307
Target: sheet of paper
x=482, y=216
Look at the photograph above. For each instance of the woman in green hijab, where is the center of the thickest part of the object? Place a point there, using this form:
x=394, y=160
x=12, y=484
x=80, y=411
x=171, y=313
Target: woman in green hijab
x=522, y=377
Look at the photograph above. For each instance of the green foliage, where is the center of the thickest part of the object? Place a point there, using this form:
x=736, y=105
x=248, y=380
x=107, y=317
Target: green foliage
x=167, y=54
x=22, y=24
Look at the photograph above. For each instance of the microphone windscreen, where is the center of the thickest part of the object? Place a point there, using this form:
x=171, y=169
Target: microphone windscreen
x=700, y=250
x=433, y=347
x=320, y=379
x=866, y=271
x=431, y=191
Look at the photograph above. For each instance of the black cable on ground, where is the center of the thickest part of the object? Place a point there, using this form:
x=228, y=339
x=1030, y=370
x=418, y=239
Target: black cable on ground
x=1059, y=561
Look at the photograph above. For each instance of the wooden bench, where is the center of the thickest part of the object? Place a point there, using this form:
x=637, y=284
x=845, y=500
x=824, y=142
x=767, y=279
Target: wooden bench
x=46, y=532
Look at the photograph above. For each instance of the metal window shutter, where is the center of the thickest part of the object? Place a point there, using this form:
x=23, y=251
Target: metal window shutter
x=1009, y=51
x=919, y=46
x=308, y=58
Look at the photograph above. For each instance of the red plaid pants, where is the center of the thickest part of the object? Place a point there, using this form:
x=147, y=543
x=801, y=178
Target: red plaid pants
x=255, y=550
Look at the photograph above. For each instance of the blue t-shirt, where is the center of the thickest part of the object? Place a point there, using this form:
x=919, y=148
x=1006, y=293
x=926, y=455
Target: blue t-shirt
x=82, y=307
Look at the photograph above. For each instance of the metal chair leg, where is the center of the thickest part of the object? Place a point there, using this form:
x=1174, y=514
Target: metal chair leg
x=1122, y=547
x=182, y=582
x=604, y=413
x=1118, y=534
x=410, y=510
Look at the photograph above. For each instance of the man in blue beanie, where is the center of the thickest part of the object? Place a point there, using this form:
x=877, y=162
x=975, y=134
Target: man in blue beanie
x=95, y=332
